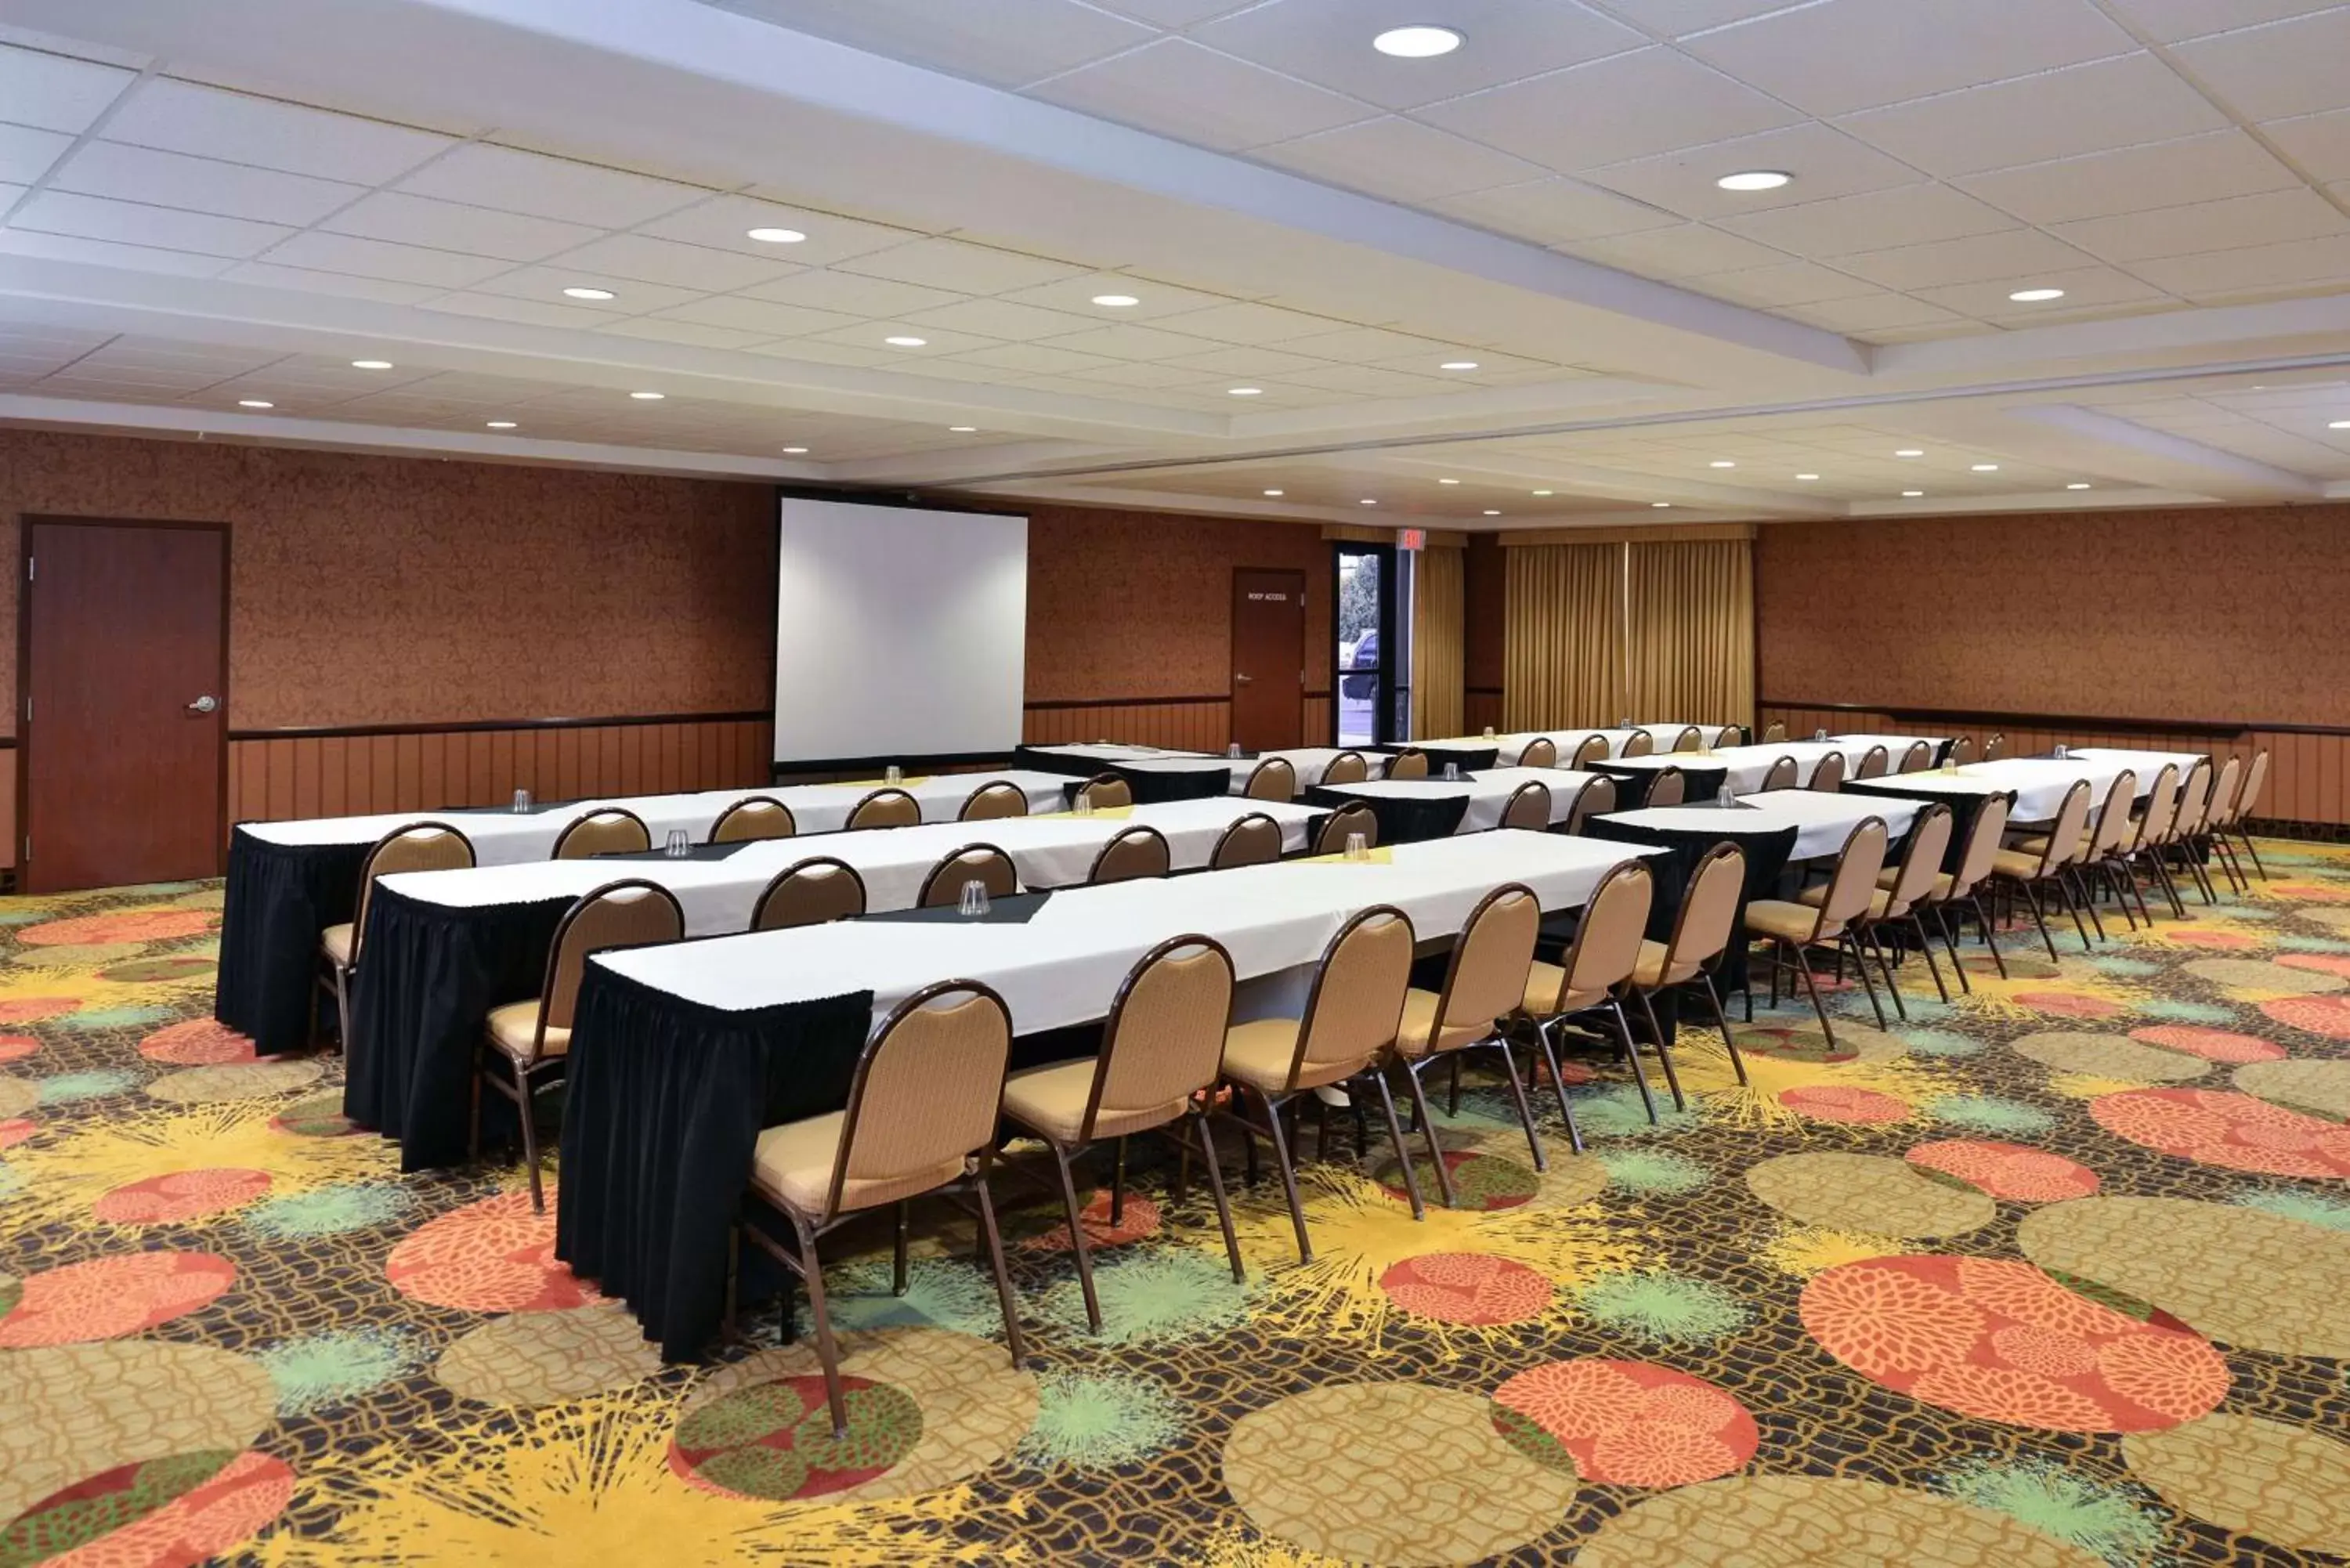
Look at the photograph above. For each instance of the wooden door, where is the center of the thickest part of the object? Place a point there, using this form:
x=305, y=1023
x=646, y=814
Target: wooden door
x=1268, y=657
x=122, y=689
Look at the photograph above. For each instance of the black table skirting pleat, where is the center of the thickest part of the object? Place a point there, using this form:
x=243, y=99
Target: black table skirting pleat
x=1151, y=786
x=1964, y=809
x=1468, y=759
x=1767, y=851
x=1403, y=819
x=280, y=897
x=662, y=1112
x=428, y=976
x=1699, y=784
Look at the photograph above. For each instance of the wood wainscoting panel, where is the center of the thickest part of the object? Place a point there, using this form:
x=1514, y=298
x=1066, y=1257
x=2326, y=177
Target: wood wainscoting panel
x=1179, y=724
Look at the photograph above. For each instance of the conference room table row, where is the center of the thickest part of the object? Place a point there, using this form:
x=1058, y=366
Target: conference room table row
x=288, y=881
x=681, y=1053
x=443, y=947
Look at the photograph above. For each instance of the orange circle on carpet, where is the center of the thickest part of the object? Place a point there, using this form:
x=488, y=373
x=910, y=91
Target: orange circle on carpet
x=2003, y=1340
x=16, y=1047
x=1472, y=1288
x=1841, y=1103
x=2235, y=1132
x=107, y=1298
x=198, y=1042
x=492, y=1256
x=33, y=1009
x=2326, y=1015
x=2211, y=1044
x=2069, y=1003
x=1626, y=1423
x=2008, y=1170
x=180, y=1194
x=130, y=926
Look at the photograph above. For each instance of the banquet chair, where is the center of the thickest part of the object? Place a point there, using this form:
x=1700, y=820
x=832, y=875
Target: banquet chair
x=532, y=1038
x=1995, y=748
x=1874, y=763
x=1162, y=1048
x=993, y=802
x=885, y=807
x=1784, y=774
x=1827, y=776
x=2096, y=841
x=2213, y=839
x=1670, y=787
x=1528, y=807
x=2255, y=780
x=1600, y=960
x=1794, y=929
x=1591, y=749
x=1895, y=899
x=754, y=818
x=1596, y=798
x=1639, y=744
x=1484, y=982
x=2146, y=829
x=2112, y=830
x=1353, y=1009
x=1408, y=764
x=985, y=864
x=1272, y=779
x=1956, y=895
x=921, y=1119
x=1254, y=840
x=1918, y=758
x=1106, y=791
x=1346, y=767
x=1345, y=822
x=614, y=830
x=1962, y=750
x=1775, y=733
x=419, y=846
x=1541, y=751
x=2032, y=872
x=1135, y=853
x=1690, y=739
x=810, y=893
x=2194, y=801
x=1702, y=929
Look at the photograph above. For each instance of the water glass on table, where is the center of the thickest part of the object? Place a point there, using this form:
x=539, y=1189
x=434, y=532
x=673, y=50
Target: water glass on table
x=974, y=900
x=521, y=801
x=893, y=774
x=1452, y=773
x=678, y=843
x=1358, y=846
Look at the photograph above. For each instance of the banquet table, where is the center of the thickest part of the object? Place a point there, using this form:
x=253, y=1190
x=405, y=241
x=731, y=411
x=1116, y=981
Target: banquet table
x=1509, y=747
x=1412, y=811
x=443, y=947
x=681, y=1054
x=288, y=881
x=1702, y=773
x=1151, y=773
x=1309, y=762
x=2146, y=765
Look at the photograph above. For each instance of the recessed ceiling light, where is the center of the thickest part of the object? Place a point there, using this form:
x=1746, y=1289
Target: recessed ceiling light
x=962, y=430
x=1913, y=493
x=649, y=397
x=1416, y=43
x=1661, y=503
x=1544, y=493
x=2339, y=425
x=370, y=364
x=2037, y=295
x=589, y=294
x=1986, y=468
x=1807, y=476
x=1491, y=513
x=907, y=342
x=2076, y=485
x=795, y=451
x=1448, y=482
x=1721, y=462
x=1115, y=301
x=1909, y=451
x=255, y=403
x=1368, y=502
x=775, y=236
x=1458, y=365
x=502, y=424
x=1276, y=492
x=1245, y=391
x=1754, y=179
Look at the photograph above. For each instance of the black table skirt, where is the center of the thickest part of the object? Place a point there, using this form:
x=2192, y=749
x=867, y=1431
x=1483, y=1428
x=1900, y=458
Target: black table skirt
x=1767, y=853
x=1699, y=783
x=1468, y=759
x=1964, y=809
x=1403, y=819
x=427, y=975
x=279, y=898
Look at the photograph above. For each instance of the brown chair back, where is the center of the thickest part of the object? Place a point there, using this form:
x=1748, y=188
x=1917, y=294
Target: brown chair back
x=981, y=863
x=1408, y=764
x=1962, y=750
x=614, y=830
x=2069, y=834
x=1107, y=792
x=2255, y=780
x=1995, y=748
x=1485, y=979
x=1355, y=1003
x=1541, y=751
x=1690, y=739
x=1606, y=947
x=1639, y=744
x=1589, y=749
x=1670, y=787
x=809, y=893
x=1254, y=840
x=2114, y=822
x=2161, y=805
x=1596, y=798
x=1775, y=733
x=1709, y=914
x=2194, y=798
x=1345, y=822
x=1784, y=774
x=2222, y=809
x=1346, y=767
x=1874, y=762
x=630, y=913
x=1854, y=880
x=1529, y=807
x=420, y=846
x=885, y=808
x=1828, y=777
x=926, y=1096
x=1922, y=857
x=1272, y=779
x=1918, y=758
x=754, y=818
x=993, y=802
x=1982, y=844
x=1136, y=852
x=1165, y=1037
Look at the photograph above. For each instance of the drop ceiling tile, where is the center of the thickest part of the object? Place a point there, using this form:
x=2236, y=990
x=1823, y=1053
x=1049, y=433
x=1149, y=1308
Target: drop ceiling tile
x=1824, y=162
x=131, y=222
x=1880, y=220
x=700, y=269
x=53, y=92
x=723, y=223
x=557, y=189
x=758, y=315
x=25, y=153
x=1555, y=211
x=2263, y=267
x=1001, y=320
x=411, y=220
x=2171, y=21
x=2135, y=179
x=1367, y=345
x=1171, y=12
x=1324, y=41
x=2281, y=70
x=2093, y=108
x=960, y=267
x=239, y=128
x=851, y=295
x=108, y=253
x=1033, y=360
x=1178, y=89
x=1813, y=56
x=1004, y=42
x=1248, y=323
x=1786, y=284
x=1872, y=313
x=2085, y=287
x=376, y=258
x=2229, y=224
x=936, y=345
x=1135, y=342
x=1154, y=300
x=1399, y=159
x=201, y=184
x=546, y=284
x=1150, y=375
x=1369, y=380
x=1678, y=18
x=1612, y=110
x=2020, y=255
x=507, y=307
x=265, y=275
x=1685, y=252
x=1245, y=362
x=2320, y=143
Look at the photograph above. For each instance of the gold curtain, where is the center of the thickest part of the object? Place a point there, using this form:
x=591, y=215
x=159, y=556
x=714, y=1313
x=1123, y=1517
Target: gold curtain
x=1563, y=637
x=1691, y=632
x=1439, y=701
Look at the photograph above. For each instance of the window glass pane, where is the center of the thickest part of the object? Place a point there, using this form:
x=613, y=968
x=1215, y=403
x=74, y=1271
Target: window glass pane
x=1358, y=649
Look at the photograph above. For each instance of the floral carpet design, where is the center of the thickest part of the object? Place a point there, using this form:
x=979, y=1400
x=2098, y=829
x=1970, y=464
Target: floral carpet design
x=2054, y=1274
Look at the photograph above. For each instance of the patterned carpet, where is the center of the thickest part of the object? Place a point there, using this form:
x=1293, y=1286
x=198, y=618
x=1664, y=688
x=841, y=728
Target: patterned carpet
x=2054, y=1276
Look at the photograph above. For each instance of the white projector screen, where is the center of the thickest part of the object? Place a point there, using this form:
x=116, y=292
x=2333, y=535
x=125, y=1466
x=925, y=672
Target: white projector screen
x=900, y=633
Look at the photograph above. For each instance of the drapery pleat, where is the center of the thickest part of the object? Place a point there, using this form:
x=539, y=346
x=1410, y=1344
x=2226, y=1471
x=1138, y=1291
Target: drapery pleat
x=1563, y=637
x=1691, y=632
x=1438, y=698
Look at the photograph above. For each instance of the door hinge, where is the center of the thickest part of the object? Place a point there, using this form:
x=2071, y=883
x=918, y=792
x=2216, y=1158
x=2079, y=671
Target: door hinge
x=29, y=564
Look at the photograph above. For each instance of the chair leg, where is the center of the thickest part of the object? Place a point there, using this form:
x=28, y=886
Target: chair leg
x=1452, y=1103
x=1632, y=1053
x=1379, y=1077
x=1860, y=964
x=1288, y=1178
x=1885, y=967
x=1558, y=1083
x=2030, y=892
x=1983, y=918
x=474, y=1126
x=1118, y=1181
x=1737, y=1062
x=1926, y=947
x=1077, y=1237
x=994, y=1239
x=2229, y=863
x=1950, y=946
x=1428, y=1131
x=343, y=1011
x=529, y=1137
x=1518, y=1093
x=1811, y=985
x=1664, y=1052
x=2080, y=881
x=828, y=1354
x=1216, y=1187
x=2253, y=850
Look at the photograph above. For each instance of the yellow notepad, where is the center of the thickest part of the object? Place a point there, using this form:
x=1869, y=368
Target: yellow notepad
x=1104, y=811
x=1382, y=855
x=885, y=783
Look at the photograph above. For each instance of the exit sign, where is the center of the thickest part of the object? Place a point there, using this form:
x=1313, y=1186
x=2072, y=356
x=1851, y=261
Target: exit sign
x=1411, y=538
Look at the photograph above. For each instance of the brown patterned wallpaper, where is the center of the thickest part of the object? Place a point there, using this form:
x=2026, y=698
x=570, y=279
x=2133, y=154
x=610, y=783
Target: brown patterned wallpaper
x=2208, y=614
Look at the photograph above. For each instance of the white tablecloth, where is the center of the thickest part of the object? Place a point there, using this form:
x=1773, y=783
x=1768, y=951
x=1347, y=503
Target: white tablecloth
x=717, y=896
x=2146, y=765
x=1488, y=793
x=1064, y=966
x=1822, y=822
x=504, y=838
x=1309, y=762
x=1510, y=747
x=2038, y=783
x=1896, y=746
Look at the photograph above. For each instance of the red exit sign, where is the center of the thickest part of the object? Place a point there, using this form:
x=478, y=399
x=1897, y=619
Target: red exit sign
x=1411, y=538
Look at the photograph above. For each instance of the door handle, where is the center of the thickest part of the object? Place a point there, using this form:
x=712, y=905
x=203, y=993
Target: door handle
x=205, y=704
x=1242, y=679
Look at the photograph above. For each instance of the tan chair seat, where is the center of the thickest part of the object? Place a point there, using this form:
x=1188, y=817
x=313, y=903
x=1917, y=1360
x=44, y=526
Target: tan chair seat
x=1258, y=1054
x=1543, y=999
x=1880, y=900
x=513, y=1027
x=2035, y=845
x=1787, y=922
x=1052, y=1100
x=1649, y=972
x=1886, y=879
x=1413, y=1035
x=2011, y=863
x=794, y=1164
x=335, y=941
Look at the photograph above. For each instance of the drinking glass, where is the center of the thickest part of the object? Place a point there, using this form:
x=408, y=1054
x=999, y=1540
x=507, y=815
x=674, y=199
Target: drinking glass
x=1452, y=773
x=893, y=774
x=678, y=842
x=522, y=801
x=974, y=898
x=1233, y=750
x=1358, y=846
x=1489, y=732
x=1084, y=806
x=1723, y=798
